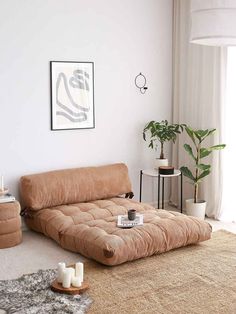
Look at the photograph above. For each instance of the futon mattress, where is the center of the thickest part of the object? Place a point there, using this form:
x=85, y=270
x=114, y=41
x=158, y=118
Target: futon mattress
x=90, y=228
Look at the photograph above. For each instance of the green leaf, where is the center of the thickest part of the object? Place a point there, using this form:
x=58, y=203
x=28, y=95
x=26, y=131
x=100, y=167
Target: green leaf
x=202, y=133
x=204, y=152
x=197, y=134
x=207, y=151
x=161, y=131
x=151, y=144
x=203, y=174
x=188, y=149
x=187, y=173
x=217, y=147
x=203, y=167
x=190, y=133
x=211, y=131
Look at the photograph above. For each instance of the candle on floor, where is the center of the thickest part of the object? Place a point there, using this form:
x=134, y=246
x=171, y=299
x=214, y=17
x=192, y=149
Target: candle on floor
x=60, y=268
x=66, y=281
x=79, y=271
x=76, y=282
x=2, y=183
x=72, y=270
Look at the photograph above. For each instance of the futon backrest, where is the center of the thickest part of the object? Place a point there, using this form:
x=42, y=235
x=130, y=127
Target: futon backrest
x=71, y=186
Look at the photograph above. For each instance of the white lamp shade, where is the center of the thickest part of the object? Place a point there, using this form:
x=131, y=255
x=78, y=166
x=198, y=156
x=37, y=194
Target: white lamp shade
x=213, y=22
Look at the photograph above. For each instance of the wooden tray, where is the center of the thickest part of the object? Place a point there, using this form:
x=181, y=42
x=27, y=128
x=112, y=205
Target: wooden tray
x=57, y=287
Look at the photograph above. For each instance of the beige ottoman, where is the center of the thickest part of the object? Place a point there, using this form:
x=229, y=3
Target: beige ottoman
x=10, y=225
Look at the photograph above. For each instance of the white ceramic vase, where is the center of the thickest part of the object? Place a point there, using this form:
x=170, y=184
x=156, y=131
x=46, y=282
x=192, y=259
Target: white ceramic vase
x=160, y=162
x=196, y=209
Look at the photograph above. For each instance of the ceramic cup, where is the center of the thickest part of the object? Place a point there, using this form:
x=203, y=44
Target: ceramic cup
x=132, y=214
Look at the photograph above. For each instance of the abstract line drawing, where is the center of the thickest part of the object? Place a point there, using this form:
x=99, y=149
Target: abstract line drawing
x=73, y=116
x=72, y=95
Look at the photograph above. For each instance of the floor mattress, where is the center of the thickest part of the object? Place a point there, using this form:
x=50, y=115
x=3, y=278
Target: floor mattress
x=90, y=228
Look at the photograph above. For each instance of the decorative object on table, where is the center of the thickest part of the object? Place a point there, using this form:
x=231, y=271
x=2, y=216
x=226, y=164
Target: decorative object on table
x=4, y=191
x=6, y=197
x=124, y=222
x=167, y=170
x=154, y=173
x=140, y=82
x=196, y=207
x=2, y=184
x=131, y=214
x=72, y=95
x=70, y=280
x=32, y=294
x=162, y=132
x=10, y=224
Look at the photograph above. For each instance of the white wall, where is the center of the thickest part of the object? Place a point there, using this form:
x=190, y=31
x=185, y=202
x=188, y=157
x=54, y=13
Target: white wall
x=122, y=37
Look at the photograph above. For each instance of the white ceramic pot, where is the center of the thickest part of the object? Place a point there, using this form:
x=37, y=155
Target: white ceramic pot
x=160, y=162
x=196, y=209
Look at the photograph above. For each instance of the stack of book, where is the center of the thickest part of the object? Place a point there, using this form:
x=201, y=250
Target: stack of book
x=124, y=222
x=7, y=198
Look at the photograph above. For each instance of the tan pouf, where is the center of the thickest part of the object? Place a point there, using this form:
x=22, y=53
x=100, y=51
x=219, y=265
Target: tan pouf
x=10, y=225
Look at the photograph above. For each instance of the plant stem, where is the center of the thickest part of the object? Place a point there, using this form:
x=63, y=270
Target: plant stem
x=196, y=174
x=195, y=192
x=162, y=151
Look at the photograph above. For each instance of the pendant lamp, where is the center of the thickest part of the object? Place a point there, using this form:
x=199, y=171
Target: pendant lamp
x=213, y=22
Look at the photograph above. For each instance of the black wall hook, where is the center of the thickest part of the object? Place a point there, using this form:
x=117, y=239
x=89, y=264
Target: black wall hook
x=141, y=85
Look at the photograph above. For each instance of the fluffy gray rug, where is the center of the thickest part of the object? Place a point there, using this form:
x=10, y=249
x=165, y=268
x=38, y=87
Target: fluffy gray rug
x=31, y=294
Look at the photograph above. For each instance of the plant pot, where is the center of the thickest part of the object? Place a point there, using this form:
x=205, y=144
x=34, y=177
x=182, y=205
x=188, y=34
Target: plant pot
x=196, y=209
x=160, y=162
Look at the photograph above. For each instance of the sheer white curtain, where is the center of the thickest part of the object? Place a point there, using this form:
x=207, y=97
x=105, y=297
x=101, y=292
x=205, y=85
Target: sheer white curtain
x=228, y=200
x=198, y=98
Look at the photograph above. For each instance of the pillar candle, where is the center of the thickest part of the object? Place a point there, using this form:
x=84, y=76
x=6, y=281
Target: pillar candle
x=60, y=268
x=2, y=183
x=79, y=271
x=66, y=280
x=72, y=270
x=76, y=282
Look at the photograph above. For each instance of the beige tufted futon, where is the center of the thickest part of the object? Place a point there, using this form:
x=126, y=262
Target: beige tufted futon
x=78, y=208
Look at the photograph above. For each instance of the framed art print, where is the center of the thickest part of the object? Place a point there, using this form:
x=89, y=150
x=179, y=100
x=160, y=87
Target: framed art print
x=72, y=95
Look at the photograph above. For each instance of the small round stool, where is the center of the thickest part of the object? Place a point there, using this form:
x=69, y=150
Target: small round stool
x=10, y=225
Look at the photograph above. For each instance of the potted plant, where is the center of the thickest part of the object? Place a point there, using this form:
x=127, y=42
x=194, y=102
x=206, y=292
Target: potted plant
x=196, y=207
x=161, y=132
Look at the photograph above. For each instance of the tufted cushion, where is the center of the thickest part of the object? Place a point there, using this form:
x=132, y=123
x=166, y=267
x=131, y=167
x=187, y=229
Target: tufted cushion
x=90, y=229
x=10, y=225
x=74, y=185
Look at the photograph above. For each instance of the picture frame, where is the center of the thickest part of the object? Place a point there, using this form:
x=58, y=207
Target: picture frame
x=72, y=95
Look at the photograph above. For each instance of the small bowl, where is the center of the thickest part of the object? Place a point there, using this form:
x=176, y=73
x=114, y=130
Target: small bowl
x=4, y=192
